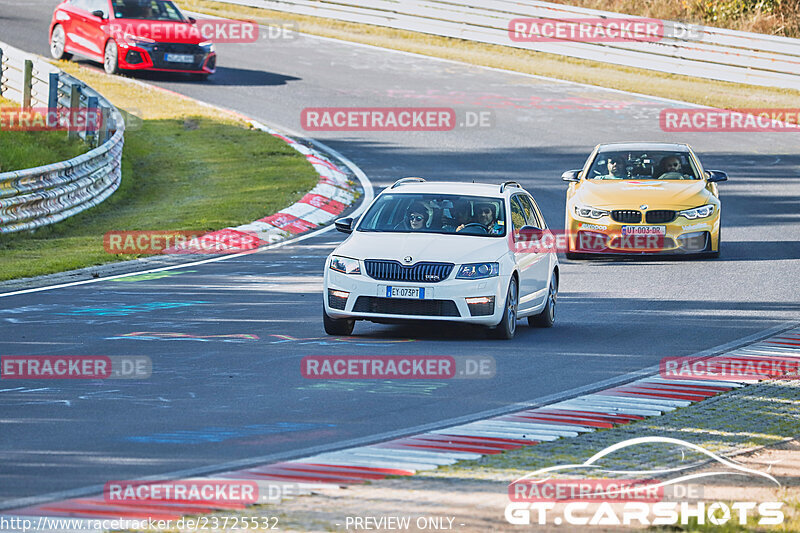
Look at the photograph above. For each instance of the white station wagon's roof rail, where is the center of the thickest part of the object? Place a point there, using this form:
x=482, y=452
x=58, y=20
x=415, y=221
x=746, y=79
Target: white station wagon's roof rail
x=509, y=184
x=406, y=180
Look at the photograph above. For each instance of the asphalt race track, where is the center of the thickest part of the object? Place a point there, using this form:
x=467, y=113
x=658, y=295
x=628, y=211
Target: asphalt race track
x=229, y=387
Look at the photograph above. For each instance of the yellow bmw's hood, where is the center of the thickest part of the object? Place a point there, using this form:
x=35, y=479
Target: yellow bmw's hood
x=630, y=194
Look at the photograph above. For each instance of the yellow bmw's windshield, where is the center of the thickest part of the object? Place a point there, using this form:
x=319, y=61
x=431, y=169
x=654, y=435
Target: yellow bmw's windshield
x=639, y=165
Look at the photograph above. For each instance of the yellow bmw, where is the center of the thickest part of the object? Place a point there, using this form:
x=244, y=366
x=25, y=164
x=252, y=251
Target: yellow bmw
x=643, y=198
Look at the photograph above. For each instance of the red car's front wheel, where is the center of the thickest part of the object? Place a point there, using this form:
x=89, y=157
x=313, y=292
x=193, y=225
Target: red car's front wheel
x=58, y=43
x=111, y=57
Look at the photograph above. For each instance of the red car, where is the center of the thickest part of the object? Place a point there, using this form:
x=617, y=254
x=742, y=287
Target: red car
x=131, y=35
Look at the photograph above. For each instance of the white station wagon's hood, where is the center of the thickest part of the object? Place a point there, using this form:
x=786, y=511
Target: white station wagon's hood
x=456, y=249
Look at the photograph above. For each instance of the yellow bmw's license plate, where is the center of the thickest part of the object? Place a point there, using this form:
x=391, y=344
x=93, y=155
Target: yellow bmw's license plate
x=644, y=230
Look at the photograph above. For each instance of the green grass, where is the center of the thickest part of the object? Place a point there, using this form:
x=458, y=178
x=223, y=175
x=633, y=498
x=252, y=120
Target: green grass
x=28, y=149
x=187, y=168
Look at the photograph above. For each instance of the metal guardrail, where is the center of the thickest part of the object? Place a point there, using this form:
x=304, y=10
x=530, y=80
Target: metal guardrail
x=705, y=52
x=44, y=195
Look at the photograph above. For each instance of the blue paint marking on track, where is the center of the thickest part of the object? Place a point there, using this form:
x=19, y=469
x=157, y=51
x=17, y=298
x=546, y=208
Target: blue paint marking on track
x=41, y=308
x=384, y=387
x=336, y=341
x=125, y=310
x=219, y=434
x=177, y=336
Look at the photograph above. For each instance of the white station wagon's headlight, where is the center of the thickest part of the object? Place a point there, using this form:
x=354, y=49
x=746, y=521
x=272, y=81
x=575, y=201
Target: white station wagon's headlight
x=345, y=265
x=698, y=212
x=478, y=271
x=587, y=211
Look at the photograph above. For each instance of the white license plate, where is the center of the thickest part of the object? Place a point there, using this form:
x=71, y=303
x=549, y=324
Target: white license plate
x=416, y=293
x=644, y=230
x=179, y=58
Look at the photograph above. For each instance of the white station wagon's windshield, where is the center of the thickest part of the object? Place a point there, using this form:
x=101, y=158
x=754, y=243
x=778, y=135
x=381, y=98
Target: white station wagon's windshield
x=436, y=213
x=640, y=165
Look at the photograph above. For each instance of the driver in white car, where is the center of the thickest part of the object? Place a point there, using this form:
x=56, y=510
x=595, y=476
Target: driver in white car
x=485, y=216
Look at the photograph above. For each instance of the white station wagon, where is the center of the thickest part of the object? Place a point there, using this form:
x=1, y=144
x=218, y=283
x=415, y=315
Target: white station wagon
x=444, y=251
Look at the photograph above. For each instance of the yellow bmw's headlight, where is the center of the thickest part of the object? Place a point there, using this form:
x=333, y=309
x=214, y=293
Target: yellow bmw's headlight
x=698, y=212
x=587, y=211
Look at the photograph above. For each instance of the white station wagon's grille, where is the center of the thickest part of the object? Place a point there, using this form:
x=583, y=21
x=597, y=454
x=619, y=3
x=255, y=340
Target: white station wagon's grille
x=384, y=270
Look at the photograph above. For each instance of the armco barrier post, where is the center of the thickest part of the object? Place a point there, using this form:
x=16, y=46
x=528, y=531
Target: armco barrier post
x=74, y=104
x=92, y=133
x=27, y=84
x=52, y=100
x=106, y=117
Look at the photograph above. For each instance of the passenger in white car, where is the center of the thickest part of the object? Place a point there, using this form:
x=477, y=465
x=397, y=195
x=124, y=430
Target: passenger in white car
x=416, y=218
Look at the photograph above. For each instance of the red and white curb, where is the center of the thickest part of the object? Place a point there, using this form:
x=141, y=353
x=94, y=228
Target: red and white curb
x=333, y=194
x=637, y=400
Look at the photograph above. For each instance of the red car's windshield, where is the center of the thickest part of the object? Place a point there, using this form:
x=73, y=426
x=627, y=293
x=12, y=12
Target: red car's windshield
x=147, y=10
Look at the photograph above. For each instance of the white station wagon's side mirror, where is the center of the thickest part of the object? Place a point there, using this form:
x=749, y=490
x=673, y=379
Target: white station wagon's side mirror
x=345, y=225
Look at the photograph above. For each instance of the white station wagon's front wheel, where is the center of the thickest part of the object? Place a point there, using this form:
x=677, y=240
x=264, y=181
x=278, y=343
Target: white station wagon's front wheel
x=508, y=323
x=337, y=326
